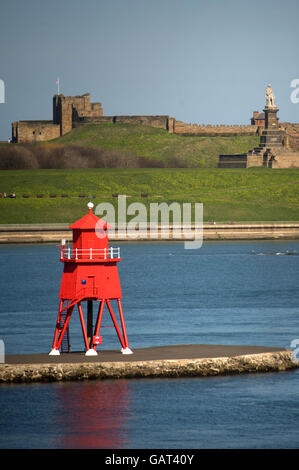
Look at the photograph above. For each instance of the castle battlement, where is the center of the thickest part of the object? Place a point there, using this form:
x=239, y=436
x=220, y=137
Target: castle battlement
x=181, y=127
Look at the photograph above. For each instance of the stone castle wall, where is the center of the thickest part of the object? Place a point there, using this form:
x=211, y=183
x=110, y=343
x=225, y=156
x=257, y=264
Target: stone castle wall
x=291, y=135
x=286, y=161
x=34, y=131
x=175, y=127
x=196, y=129
x=153, y=121
x=293, y=142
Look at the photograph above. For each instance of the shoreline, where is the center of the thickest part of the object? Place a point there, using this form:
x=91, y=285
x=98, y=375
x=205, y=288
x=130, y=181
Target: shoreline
x=54, y=233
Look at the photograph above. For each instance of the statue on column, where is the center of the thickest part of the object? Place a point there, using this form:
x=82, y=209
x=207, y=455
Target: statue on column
x=270, y=98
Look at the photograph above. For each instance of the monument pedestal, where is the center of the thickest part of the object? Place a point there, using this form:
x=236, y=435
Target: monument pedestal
x=270, y=141
x=270, y=117
x=271, y=136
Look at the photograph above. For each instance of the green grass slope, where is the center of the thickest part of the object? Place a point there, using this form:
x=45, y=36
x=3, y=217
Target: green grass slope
x=256, y=194
x=157, y=144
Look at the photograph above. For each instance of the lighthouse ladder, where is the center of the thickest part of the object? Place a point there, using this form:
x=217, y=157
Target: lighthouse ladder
x=65, y=343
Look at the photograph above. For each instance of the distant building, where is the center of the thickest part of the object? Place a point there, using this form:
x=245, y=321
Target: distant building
x=258, y=119
x=72, y=111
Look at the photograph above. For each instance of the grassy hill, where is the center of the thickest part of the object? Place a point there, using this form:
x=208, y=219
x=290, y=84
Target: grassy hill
x=239, y=195
x=256, y=194
x=158, y=144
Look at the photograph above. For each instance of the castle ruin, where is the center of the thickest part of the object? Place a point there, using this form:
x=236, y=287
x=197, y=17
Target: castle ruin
x=72, y=111
x=66, y=111
x=279, y=143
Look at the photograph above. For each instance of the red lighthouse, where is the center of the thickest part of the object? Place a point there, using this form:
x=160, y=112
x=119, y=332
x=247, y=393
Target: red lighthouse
x=90, y=274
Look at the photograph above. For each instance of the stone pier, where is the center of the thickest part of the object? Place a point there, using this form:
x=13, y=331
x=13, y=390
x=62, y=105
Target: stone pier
x=195, y=360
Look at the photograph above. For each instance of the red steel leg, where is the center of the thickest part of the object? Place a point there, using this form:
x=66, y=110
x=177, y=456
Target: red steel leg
x=68, y=317
x=99, y=321
x=116, y=325
x=122, y=320
x=57, y=325
x=83, y=326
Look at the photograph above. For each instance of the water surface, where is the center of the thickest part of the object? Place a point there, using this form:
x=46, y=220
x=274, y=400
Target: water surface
x=224, y=293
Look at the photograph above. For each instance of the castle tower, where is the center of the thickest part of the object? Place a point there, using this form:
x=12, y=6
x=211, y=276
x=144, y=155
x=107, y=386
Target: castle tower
x=90, y=274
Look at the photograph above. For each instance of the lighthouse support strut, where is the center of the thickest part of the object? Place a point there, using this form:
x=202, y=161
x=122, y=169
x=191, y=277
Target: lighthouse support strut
x=57, y=326
x=57, y=343
x=89, y=322
x=123, y=325
x=83, y=326
x=99, y=320
x=115, y=324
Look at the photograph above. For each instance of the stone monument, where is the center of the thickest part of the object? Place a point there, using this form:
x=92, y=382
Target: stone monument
x=271, y=152
x=271, y=137
x=270, y=98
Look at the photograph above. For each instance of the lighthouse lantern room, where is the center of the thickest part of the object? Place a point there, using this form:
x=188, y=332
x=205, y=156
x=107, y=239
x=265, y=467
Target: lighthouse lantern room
x=90, y=274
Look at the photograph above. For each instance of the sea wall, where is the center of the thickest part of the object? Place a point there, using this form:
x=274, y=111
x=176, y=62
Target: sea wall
x=264, y=362
x=54, y=233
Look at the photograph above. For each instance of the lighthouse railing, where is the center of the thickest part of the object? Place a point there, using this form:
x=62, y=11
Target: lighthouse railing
x=68, y=252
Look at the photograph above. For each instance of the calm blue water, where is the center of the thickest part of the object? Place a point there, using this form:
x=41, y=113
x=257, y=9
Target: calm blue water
x=224, y=293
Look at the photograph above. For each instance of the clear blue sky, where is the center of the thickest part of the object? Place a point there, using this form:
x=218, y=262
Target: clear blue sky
x=198, y=61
